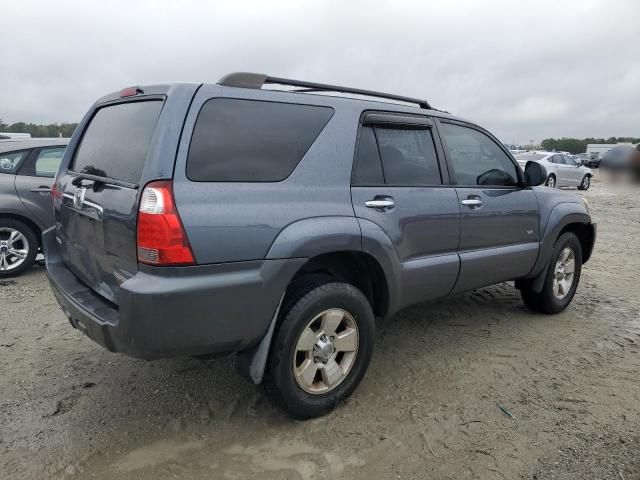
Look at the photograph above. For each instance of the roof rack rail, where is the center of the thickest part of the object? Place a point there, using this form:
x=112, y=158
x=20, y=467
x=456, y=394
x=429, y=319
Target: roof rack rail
x=258, y=80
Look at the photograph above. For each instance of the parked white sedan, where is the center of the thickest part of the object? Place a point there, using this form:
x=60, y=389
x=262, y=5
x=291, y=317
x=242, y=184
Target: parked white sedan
x=562, y=170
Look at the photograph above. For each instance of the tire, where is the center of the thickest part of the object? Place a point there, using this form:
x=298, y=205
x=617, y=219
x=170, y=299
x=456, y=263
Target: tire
x=302, y=310
x=551, y=181
x=547, y=301
x=585, y=183
x=10, y=264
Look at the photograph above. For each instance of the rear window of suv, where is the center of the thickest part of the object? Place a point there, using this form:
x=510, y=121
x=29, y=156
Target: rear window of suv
x=252, y=141
x=116, y=142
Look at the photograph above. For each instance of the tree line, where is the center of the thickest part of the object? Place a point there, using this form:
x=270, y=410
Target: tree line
x=577, y=145
x=51, y=130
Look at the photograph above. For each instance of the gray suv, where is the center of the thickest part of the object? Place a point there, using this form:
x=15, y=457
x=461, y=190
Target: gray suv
x=27, y=168
x=276, y=219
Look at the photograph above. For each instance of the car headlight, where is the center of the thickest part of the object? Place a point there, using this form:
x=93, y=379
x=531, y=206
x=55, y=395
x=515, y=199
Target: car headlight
x=586, y=205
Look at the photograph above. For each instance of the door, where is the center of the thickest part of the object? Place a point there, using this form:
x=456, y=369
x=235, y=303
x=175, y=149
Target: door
x=35, y=179
x=96, y=211
x=398, y=184
x=574, y=173
x=499, y=217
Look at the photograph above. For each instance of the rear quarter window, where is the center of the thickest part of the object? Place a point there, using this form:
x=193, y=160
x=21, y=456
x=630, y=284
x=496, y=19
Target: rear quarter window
x=117, y=139
x=10, y=161
x=252, y=141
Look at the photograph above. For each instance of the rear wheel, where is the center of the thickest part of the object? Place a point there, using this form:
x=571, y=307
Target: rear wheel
x=585, y=183
x=18, y=247
x=551, y=181
x=562, y=278
x=321, y=349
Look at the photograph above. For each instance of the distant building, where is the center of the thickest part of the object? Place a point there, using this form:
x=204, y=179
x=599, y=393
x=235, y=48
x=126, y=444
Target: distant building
x=599, y=149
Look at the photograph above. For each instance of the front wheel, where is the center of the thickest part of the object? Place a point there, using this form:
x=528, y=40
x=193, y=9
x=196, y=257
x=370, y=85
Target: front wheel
x=551, y=181
x=585, y=183
x=562, y=278
x=321, y=349
x=18, y=247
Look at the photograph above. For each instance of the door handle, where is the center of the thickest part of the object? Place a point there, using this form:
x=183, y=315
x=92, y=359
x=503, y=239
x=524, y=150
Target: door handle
x=41, y=189
x=379, y=203
x=471, y=202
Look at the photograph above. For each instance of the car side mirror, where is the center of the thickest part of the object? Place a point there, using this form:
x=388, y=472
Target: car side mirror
x=534, y=174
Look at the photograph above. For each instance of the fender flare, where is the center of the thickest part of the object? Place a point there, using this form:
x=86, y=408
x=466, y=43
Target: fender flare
x=312, y=237
x=562, y=215
x=377, y=243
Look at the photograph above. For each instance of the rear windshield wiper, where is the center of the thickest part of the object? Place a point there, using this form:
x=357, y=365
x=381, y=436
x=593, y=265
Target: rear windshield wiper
x=100, y=179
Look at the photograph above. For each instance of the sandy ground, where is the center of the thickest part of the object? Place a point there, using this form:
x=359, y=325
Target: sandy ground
x=429, y=406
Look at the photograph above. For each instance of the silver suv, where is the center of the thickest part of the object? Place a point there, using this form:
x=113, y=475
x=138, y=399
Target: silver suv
x=27, y=168
x=278, y=224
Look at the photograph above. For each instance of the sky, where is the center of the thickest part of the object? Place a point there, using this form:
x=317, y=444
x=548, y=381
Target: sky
x=525, y=70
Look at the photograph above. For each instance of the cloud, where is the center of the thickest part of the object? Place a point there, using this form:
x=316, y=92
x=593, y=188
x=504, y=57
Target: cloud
x=522, y=69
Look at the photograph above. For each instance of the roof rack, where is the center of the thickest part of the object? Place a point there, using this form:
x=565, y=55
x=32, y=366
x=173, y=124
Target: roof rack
x=258, y=80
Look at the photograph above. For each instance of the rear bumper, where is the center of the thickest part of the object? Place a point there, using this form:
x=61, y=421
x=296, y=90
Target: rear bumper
x=175, y=311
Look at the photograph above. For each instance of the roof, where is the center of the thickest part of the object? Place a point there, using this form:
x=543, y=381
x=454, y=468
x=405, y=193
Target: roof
x=24, y=144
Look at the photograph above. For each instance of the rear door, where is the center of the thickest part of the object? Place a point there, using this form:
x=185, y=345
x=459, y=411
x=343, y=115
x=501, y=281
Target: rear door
x=399, y=184
x=499, y=225
x=97, y=212
x=35, y=179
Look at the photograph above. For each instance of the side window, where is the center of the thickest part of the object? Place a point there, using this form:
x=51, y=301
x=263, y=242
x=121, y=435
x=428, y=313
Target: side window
x=252, y=141
x=368, y=168
x=9, y=162
x=408, y=156
x=569, y=161
x=396, y=156
x=48, y=161
x=477, y=159
x=557, y=159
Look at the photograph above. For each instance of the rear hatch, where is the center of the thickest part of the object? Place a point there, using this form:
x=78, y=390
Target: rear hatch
x=98, y=194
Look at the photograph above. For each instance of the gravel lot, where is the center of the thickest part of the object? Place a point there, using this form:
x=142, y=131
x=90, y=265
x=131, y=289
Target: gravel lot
x=429, y=406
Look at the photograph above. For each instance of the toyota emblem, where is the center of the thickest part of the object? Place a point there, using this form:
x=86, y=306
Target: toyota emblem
x=78, y=197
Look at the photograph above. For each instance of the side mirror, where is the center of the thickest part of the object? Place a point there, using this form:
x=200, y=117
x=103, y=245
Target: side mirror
x=534, y=174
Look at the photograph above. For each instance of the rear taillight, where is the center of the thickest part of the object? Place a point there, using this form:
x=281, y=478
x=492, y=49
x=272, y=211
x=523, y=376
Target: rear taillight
x=161, y=236
x=56, y=194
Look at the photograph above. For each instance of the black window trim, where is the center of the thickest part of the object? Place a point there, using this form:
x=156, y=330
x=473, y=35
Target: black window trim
x=521, y=184
x=96, y=178
x=207, y=100
x=387, y=119
x=420, y=122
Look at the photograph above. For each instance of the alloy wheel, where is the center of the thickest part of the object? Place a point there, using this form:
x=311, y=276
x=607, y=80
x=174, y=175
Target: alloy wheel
x=14, y=249
x=326, y=351
x=563, y=273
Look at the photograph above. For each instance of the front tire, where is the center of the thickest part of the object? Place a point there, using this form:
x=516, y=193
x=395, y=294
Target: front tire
x=321, y=349
x=562, y=278
x=18, y=247
x=551, y=181
x=585, y=183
